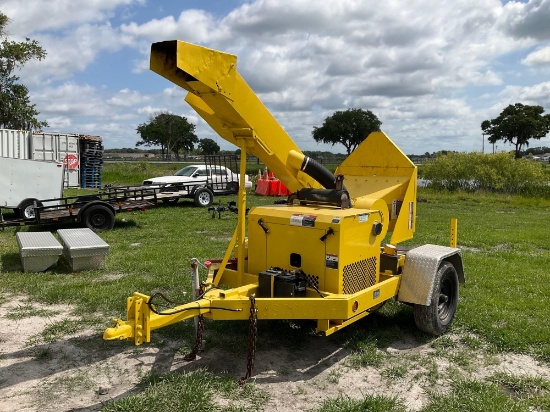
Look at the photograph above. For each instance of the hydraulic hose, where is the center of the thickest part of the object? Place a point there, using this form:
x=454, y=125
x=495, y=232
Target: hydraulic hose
x=312, y=168
x=317, y=171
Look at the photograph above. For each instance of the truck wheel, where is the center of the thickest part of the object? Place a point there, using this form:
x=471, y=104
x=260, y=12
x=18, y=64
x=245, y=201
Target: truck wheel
x=203, y=197
x=232, y=187
x=437, y=318
x=25, y=209
x=98, y=218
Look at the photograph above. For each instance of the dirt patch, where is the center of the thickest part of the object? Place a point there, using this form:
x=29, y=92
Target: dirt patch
x=80, y=372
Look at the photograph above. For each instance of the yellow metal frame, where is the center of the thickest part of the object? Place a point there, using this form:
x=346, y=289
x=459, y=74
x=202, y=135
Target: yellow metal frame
x=337, y=311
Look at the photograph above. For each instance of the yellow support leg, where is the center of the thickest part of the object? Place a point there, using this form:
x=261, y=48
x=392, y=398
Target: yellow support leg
x=454, y=232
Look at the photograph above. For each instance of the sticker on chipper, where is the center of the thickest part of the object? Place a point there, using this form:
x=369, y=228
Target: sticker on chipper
x=331, y=261
x=303, y=220
x=335, y=220
x=395, y=209
x=363, y=217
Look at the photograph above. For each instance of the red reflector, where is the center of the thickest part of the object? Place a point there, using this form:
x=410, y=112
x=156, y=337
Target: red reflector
x=207, y=263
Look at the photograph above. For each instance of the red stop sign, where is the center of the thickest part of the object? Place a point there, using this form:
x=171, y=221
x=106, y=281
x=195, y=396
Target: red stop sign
x=70, y=161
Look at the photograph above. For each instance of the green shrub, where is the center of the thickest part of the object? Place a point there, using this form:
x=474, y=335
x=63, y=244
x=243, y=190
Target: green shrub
x=499, y=173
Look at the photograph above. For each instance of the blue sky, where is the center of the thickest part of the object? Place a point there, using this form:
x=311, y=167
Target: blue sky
x=431, y=71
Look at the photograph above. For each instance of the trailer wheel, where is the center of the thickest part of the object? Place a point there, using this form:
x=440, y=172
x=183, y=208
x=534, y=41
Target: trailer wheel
x=25, y=209
x=203, y=197
x=98, y=218
x=437, y=318
x=232, y=187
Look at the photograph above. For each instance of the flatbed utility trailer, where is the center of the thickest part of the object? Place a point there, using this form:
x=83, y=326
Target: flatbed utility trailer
x=96, y=211
x=323, y=255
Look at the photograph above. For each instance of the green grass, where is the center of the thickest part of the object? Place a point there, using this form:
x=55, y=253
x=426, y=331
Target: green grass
x=503, y=305
x=368, y=404
x=533, y=391
x=193, y=391
x=366, y=354
x=26, y=310
x=473, y=396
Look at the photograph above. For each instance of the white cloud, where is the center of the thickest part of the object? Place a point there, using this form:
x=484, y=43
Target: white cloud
x=127, y=97
x=32, y=16
x=150, y=110
x=527, y=19
x=59, y=123
x=538, y=94
x=193, y=25
x=540, y=57
x=71, y=53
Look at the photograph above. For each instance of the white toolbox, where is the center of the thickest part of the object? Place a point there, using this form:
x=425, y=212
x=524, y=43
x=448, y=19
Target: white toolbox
x=83, y=249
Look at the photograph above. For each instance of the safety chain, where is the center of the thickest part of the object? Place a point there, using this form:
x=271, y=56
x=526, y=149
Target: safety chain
x=252, y=335
x=200, y=327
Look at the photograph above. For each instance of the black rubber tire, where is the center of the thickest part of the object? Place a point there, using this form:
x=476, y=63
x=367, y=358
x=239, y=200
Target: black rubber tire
x=98, y=218
x=171, y=201
x=25, y=210
x=203, y=197
x=436, y=319
x=232, y=187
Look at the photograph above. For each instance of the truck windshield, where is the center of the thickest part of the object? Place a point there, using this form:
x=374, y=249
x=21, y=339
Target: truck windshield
x=186, y=171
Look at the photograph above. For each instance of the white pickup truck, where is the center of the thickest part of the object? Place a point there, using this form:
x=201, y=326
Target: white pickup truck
x=199, y=182
x=24, y=182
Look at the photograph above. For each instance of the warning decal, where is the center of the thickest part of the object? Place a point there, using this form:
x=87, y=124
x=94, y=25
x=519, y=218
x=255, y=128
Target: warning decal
x=331, y=261
x=395, y=209
x=303, y=220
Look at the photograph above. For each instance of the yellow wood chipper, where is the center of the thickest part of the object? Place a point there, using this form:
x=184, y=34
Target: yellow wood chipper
x=322, y=255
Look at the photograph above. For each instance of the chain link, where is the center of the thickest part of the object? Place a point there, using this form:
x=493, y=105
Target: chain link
x=252, y=335
x=198, y=343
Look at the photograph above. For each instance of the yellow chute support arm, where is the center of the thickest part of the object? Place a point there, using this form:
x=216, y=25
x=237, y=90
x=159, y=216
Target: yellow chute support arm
x=225, y=101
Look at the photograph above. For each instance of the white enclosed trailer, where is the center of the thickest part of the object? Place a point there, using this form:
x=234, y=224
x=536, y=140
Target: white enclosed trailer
x=24, y=182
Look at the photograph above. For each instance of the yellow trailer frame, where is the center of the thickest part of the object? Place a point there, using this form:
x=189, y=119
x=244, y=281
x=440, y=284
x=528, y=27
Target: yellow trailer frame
x=332, y=312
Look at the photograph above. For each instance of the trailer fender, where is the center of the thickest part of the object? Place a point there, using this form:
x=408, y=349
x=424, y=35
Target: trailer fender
x=420, y=269
x=199, y=187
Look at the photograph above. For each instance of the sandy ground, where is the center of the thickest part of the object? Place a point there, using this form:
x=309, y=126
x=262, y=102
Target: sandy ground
x=80, y=373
